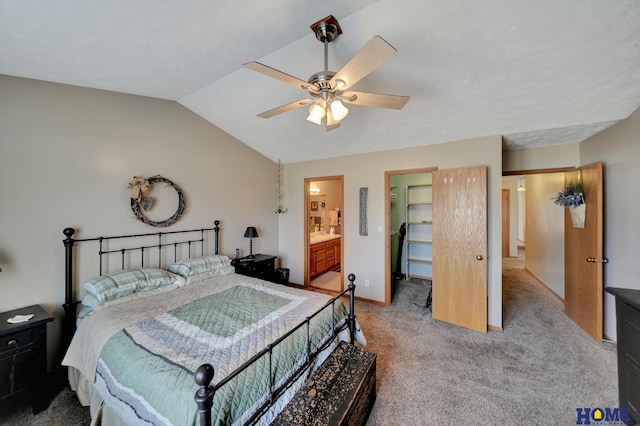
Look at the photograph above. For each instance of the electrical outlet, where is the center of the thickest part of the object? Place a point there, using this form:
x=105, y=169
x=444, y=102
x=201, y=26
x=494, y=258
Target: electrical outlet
x=366, y=283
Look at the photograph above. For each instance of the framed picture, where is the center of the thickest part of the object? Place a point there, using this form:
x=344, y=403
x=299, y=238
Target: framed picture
x=314, y=206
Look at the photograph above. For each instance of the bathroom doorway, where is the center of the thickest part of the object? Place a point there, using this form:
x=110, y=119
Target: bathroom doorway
x=324, y=233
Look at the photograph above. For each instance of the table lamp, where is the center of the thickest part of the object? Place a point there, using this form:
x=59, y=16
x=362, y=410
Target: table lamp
x=251, y=233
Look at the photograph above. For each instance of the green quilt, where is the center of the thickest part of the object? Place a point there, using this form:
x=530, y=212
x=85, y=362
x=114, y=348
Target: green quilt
x=145, y=372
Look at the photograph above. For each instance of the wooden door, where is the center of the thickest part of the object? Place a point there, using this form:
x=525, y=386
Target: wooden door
x=583, y=255
x=506, y=222
x=460, y=247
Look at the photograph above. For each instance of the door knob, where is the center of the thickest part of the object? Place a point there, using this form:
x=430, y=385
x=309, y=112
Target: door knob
x=591, y=259
x=479, y=257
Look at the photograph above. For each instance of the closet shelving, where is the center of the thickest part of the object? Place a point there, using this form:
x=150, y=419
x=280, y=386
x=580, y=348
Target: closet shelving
x=419, y=231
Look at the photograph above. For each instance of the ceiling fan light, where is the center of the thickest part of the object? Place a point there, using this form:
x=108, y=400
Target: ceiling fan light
x=316, y=111
x=315, y=120
x=338, y=110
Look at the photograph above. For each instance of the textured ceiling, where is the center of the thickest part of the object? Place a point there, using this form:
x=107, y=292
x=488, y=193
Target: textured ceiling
x=538, y=72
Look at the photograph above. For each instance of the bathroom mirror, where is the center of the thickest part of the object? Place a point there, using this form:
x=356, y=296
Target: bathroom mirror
x=317, y=213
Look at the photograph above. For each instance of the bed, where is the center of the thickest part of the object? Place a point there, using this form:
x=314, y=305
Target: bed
x=167, y=333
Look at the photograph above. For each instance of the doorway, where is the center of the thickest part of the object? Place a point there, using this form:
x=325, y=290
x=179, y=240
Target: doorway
x=556, y=250
x=453, y=208
x=396, y=184
x=323, y=233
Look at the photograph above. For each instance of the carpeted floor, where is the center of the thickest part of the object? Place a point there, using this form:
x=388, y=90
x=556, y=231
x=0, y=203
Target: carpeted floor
x=538, y=371
x=63, y=410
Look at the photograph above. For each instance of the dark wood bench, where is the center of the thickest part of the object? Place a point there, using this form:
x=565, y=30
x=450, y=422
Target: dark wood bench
x=341, y=392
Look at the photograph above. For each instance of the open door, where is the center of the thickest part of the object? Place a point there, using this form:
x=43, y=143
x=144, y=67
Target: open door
x=460, y=247
x=583, y=255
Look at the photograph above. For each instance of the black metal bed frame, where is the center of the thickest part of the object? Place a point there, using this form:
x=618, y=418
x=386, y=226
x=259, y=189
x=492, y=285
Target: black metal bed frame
x=205, y=373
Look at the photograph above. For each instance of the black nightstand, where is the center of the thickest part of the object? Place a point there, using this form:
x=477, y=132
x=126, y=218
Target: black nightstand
x=23, y=360
x=261, y=266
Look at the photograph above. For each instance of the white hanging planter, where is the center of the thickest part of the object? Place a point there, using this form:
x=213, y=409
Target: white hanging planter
x=578, y=214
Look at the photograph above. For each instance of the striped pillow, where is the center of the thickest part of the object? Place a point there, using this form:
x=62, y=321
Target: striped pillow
x=114, y=286
x=201, y=268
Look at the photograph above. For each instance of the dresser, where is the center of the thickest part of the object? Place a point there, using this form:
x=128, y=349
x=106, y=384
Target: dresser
x=23, y=359
x=628, y=325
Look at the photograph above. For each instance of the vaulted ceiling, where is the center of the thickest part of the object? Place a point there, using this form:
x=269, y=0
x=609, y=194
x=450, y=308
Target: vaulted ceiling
x=537, y=72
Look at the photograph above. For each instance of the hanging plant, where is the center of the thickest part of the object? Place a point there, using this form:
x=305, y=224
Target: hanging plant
x=572, y=196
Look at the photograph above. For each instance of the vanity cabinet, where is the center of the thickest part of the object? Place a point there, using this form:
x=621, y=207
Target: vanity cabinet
x=333, y=254
x=318, y=261
x=323, y=257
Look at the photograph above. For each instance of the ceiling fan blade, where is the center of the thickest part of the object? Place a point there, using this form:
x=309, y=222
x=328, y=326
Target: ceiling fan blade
x=285, y=108
x=375, y=99
x=375, y=53
x=277, y=74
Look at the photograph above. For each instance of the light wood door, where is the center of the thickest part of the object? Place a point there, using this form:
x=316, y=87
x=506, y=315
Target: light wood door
x=583, y=257
x=460, y=247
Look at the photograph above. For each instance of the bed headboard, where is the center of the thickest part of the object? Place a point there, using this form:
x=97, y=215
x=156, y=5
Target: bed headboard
x=156, y=249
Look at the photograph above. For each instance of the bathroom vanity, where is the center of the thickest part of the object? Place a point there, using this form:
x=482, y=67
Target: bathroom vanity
x=324, y=254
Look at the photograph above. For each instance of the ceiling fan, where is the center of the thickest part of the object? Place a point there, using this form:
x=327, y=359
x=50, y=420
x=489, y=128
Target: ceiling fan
x=328, y=89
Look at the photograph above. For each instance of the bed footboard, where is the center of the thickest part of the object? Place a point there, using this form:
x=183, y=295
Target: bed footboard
x=205, y=373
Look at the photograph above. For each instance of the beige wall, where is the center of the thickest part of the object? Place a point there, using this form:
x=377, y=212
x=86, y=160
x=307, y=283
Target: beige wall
x=67, y=156
x=545, y=230
x=510, y=183
x=547, y=157
x=619, y=149
x=365, y=255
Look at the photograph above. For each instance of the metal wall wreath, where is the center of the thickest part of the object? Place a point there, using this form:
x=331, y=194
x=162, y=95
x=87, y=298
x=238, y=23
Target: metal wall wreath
x=139, y=202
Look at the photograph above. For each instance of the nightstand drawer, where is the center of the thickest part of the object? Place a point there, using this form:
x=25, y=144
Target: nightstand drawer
x=268, y=265
x=14, y=341
x=261, y=266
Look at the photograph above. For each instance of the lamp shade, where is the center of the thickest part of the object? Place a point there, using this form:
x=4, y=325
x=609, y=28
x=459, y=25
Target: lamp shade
x=251, y=232
x=339, y=110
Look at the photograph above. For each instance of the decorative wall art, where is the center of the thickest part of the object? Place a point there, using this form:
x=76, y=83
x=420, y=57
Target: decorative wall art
x=314, y=206
x=364, y=194
x=141, y=202
x=281, y=208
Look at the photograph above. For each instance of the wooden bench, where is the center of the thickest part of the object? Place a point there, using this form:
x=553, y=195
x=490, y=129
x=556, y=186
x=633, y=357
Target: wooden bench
x=341, y=392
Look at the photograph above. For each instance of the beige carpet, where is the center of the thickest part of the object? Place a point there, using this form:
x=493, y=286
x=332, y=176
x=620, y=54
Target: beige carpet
x=328, y=281
x=537, y=372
